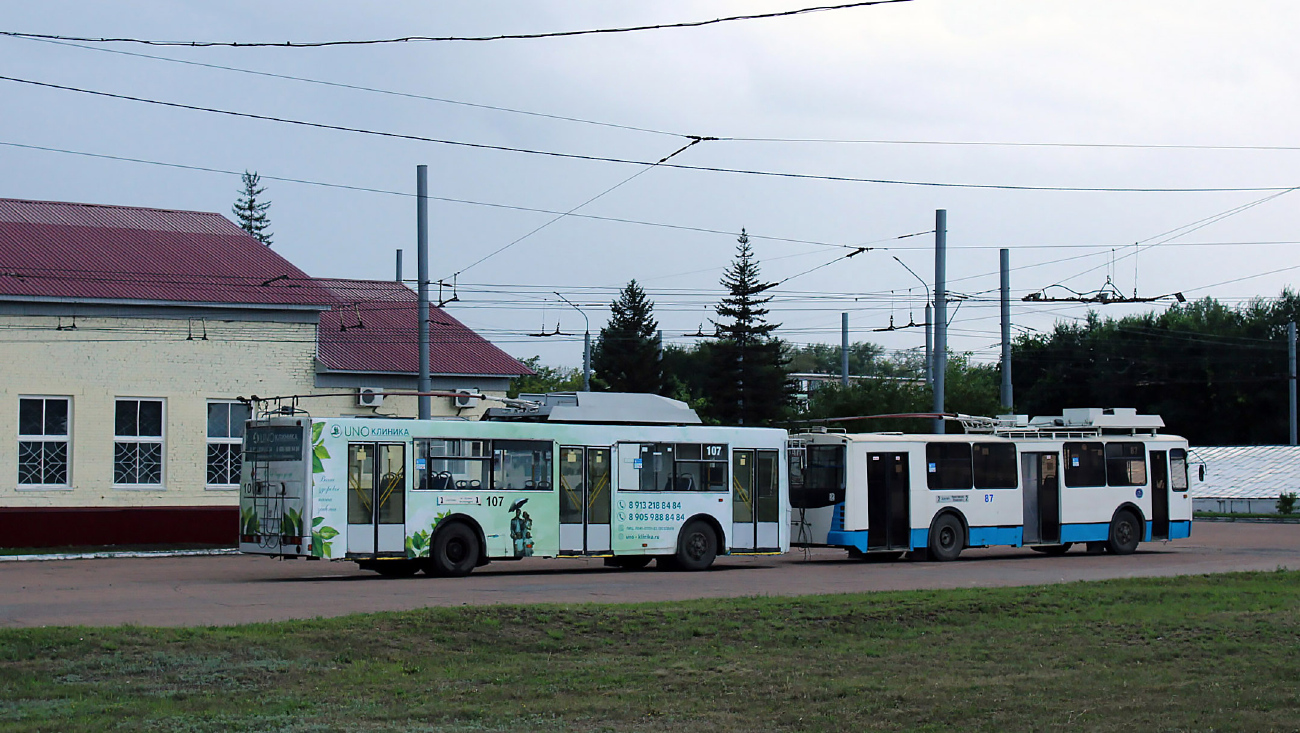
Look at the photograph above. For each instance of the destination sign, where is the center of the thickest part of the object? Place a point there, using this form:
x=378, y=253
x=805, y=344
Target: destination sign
x=276, y=443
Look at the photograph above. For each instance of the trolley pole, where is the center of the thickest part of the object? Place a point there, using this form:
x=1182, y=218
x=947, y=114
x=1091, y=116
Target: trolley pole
x=1290, y=359
x=940, y=311
x=422, y=265
x=844, y=349
x=1004, y=257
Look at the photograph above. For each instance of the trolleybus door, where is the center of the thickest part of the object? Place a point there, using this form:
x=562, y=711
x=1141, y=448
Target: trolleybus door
x=1041, y=494
x=888, y=485
x=1159, y=495
x=585, y=477
x=376, y=498
x=755, y=499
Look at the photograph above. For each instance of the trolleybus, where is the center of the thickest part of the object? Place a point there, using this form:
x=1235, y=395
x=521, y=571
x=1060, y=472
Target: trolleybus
x=1104, y=477
x=631, y=478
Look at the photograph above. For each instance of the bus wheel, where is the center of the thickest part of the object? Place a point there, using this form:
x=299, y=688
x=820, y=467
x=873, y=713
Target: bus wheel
x=1124, y=534
x=628, y=562
x=696, y=547
x=395, y=568
x=455, y=551
x=1060, y=549
x=945, y=538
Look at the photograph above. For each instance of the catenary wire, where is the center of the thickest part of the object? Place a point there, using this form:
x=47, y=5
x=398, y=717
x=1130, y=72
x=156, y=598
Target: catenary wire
x=499, y=37
x=625, y=161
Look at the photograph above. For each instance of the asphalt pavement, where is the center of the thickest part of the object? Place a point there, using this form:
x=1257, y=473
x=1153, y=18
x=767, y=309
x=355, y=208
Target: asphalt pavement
x=233, y=589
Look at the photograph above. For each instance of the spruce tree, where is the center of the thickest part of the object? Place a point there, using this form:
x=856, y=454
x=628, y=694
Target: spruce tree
x=748, y=367
x=625, y=357
x=250, y=212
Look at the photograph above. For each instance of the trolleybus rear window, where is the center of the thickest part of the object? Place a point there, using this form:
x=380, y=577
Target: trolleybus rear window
x=1126, y=464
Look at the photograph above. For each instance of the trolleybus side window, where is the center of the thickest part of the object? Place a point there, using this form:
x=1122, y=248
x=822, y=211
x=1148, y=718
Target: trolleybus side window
x=683, y=467
x=1085, y=464
x=443, y=465
x=1126, y=464
x=1178, y=469
x=995, y=466
x=948, y=465
x=521, y=465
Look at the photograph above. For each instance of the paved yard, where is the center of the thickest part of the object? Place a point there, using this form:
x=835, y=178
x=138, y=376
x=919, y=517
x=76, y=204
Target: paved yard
x=187, y=591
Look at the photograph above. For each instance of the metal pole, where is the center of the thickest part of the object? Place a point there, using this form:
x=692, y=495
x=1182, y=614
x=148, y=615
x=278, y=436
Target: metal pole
x=1004, y=258
x=399, y=266
x=422, y=257
x=844, y=349
x=1290, y=359
x=929, y=345
x=586, y=361
x=586, y=346
x=940, y=311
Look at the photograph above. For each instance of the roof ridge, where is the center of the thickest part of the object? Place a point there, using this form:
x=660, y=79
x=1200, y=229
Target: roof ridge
x=112, y=206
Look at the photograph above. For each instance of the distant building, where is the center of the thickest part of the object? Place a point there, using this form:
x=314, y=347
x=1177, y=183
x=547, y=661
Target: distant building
x=805, y=383
x=1243, y=478
x=126, y=335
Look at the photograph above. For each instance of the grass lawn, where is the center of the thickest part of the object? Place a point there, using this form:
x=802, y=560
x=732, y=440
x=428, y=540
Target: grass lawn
x=1194, y=653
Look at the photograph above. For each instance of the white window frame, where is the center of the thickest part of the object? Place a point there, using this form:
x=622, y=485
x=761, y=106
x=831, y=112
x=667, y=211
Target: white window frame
x=42, y=438
x=210, y=440
x=160, y=441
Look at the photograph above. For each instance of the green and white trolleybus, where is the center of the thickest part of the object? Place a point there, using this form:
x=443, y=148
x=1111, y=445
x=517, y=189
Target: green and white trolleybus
x=631, y=478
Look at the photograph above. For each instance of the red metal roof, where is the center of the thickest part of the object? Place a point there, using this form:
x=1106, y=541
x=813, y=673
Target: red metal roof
x=374, y=328
x=64, y=250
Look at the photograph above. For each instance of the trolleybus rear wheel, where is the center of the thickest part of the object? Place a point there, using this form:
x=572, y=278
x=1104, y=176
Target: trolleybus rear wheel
x=1125, y=534
x=455, y=551
x=946, y=538
x=696, y=547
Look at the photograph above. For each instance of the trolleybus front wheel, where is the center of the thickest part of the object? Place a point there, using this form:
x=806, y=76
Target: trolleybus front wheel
x=1125, y=533
x=454, y=553
x=946, y=538
x=696, y=547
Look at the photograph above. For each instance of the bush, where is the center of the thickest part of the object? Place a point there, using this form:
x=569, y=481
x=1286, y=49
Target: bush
x=1286, y=502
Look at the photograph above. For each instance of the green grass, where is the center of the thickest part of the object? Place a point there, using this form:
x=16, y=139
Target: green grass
x=1192, y=653
x=1241, y=515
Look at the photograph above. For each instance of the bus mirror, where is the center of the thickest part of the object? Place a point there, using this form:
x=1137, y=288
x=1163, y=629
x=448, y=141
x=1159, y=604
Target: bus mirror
x=1201, y=471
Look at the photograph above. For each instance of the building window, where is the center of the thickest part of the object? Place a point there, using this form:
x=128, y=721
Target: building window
x=138, y=443
x=225, y=436
x=43, y=441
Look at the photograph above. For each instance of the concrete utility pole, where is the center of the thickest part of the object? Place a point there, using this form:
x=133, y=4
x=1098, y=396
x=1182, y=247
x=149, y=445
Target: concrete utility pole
x=422, y=264
x=1290, y=360
x=940, y=311
x=1004, y=261
x=844, y=349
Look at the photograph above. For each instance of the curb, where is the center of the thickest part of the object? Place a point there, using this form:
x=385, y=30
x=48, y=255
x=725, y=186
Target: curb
x=110, y=554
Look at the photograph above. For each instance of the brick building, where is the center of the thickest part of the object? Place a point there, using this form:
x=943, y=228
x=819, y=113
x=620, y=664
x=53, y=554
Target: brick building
x=126, y=337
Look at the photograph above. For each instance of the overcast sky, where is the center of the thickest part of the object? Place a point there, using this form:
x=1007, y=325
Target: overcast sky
x=1155, y=73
